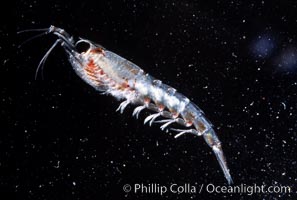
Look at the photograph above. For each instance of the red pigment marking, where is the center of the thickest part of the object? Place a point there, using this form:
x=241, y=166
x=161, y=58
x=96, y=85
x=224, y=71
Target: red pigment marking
x=125, y=84
x=147, y=100
x=189, y=123
x=91, y=70
x=122, y=87
x=161, y=107
x=97, y=50
x=91, y=65
x=175, y=114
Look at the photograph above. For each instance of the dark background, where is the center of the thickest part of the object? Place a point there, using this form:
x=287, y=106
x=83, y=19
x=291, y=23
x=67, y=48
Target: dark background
x=236, y=60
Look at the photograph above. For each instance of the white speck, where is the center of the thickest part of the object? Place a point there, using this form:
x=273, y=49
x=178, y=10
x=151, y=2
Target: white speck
x=285, y=107
x=73, y=183
x=234, y=55
x=58, y=165
x=5, y=61
x=284, y=173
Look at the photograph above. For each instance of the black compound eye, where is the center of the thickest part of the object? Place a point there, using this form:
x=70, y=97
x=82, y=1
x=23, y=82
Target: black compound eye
x=82, y=46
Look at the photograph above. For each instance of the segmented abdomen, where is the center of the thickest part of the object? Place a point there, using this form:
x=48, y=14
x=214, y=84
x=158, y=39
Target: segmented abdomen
x=125, y=80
